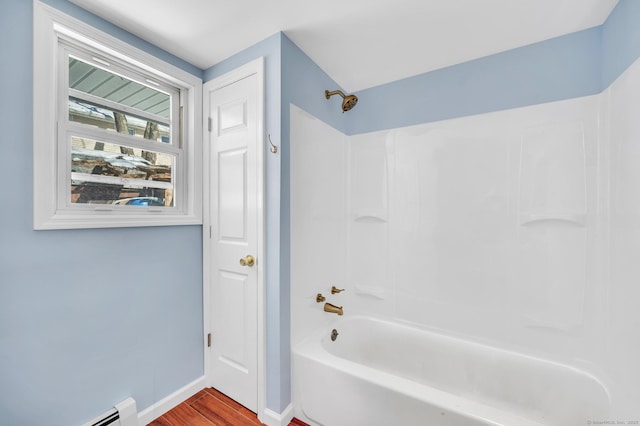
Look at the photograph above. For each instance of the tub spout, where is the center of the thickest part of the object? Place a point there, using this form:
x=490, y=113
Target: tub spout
x=328, y=307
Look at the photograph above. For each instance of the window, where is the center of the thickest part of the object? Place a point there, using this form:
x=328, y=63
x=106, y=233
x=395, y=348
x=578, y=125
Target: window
x=115, y=131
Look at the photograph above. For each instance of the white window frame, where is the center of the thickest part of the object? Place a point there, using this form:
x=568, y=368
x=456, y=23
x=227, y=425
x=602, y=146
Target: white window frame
x=51, y=169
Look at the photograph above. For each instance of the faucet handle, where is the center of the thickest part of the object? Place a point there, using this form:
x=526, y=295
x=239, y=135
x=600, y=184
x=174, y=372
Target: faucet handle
x=335, y=290
x=320, y=298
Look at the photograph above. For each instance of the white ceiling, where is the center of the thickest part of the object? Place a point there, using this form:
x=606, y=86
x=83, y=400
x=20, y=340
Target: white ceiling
x=359, y=43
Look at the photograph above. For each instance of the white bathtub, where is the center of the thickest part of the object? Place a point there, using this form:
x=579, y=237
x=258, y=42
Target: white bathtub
x=384, y=373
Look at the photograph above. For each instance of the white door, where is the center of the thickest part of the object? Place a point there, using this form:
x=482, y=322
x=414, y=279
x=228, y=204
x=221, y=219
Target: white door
x=235, y=197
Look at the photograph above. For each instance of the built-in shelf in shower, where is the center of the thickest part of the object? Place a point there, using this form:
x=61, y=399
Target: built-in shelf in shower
x=370, y=216
x=529, y=218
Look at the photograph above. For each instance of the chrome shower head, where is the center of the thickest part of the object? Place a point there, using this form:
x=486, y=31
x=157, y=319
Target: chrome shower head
x=348, y=101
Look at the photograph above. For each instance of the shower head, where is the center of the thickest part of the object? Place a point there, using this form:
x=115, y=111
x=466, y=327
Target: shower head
x=348, y=101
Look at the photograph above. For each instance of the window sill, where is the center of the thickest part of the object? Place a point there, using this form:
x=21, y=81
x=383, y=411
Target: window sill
x=113, y=220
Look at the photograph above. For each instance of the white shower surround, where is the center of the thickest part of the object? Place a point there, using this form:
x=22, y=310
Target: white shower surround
x=516, y=228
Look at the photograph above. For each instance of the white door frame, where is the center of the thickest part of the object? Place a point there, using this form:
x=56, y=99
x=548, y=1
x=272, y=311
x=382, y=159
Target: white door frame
x=254, y=67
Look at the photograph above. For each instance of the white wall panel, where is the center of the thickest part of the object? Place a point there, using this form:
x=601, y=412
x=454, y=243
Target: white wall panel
x=478, y=217
x=622, y=343
x=318, y=232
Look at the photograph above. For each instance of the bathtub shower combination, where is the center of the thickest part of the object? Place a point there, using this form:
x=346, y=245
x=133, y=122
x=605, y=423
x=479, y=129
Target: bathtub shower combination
x=486, y=262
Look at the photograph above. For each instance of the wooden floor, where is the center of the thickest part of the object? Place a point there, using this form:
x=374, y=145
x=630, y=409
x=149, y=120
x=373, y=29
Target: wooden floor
x=211, y=408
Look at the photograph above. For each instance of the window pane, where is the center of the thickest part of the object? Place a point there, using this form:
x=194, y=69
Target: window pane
x=106, y=85
x=83, y=192
x=106, y=173
x=82, y=111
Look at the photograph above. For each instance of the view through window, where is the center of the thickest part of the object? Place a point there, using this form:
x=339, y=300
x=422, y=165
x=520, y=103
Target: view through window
x=126, y=173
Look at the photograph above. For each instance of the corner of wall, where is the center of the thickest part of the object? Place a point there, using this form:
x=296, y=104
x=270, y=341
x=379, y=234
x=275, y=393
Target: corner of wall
x=95, y=21
x=620, y=40
x=304, y=83
x=269, y=48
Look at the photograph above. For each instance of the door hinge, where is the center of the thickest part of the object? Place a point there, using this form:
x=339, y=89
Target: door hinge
x=210, y=123
x=209, y=340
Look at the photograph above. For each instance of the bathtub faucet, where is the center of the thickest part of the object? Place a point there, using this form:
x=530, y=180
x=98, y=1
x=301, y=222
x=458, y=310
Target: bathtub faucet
x=328, y=307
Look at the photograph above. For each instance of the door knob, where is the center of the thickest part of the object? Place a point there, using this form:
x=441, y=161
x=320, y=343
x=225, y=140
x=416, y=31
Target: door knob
x=248, y=260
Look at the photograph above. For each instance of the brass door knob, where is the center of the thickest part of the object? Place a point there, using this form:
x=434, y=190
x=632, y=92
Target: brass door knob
x=248, y=260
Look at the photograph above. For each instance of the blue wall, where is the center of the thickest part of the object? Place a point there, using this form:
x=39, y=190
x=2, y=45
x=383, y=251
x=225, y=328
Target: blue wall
x=620, y=40
x=561, y=68
x=87, y=317
x=304, y=83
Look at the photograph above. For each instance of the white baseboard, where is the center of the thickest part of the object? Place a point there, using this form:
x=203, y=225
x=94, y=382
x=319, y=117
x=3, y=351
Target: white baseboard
x=151, y=413
x=271, y=418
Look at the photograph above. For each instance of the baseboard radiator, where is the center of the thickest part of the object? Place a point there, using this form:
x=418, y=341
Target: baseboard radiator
x=123, y=414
